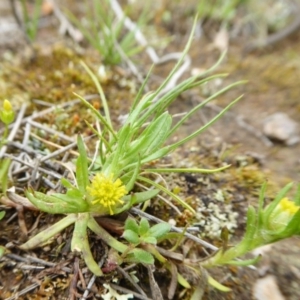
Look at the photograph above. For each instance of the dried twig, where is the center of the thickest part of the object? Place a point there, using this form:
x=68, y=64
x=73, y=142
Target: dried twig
x=65, y=25
x=128, y=277
x=155, y=290
x=126, y=291
x=134, y=28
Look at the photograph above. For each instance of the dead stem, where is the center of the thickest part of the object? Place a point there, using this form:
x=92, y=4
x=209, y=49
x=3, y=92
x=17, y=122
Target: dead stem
x=128, y=277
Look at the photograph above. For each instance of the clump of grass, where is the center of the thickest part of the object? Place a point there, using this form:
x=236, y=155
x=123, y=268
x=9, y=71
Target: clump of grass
x=107, y=34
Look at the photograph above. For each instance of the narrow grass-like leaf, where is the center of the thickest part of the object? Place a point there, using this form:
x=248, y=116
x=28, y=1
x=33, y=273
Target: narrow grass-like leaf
x=175, y=197
x=297, y=196
x=99, y=116
x=48, y=233
x=2, y=214
x=4, y=166
x=218, y=285
x=246, y=262
x=151, y=138
x=202, y=104
x=277, y=199
x=100, y=90
x=187, y=170
x=82, y=176
x=208, y=124
x=100, y=136
x=140, y=92
x=131, y=182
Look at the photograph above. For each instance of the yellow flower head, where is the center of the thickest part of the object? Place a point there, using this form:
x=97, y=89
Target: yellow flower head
x=107, y=192
x=283, y=213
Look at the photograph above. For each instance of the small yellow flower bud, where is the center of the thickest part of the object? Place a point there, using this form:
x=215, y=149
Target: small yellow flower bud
x=7, y=114
x=7, y=106
x=106, y=192
x=282, y=214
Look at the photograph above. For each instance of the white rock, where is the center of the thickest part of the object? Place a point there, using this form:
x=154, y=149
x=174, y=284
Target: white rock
x=281, y=127
x=267, y=289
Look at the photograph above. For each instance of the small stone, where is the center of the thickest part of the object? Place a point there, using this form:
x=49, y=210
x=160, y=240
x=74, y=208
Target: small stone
x=282, y=128
x=266, y=289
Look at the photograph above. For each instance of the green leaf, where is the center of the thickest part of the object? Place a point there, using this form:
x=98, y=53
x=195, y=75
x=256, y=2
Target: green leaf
x=159, y=230
x=251, y=228
x=4, y=165
x=151, y=138
x=131, y=224
x=131, y=181
x=48, y=233
x=292, y=228
x=80, y=243
x=297, y=196
x=55, y=205
x=2, y=251
x=2, y=214
x=149, y=240
x=175, y=197
x=136, y=198
x=131, y=237
x=142, y=196
x=82, y=166
x=144, y=226
x=143, y=257
x=66, y=183
x=269, y=209
x=246, y=262
x=218, y=285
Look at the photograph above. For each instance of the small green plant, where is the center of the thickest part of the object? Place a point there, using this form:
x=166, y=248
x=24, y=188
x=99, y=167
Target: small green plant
x=106, y=34
x=144, y=235
x=106, y=186
x=219, y=10
x=276, y=221
x=31, y=23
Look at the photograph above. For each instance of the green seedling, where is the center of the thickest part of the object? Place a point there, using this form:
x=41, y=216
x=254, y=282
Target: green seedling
x=277, y=221
x=142, y=234
x=31, y=23
x=106, y=34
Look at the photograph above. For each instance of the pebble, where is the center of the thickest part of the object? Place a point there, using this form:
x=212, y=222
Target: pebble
x=267, y=289
x=282, y=128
